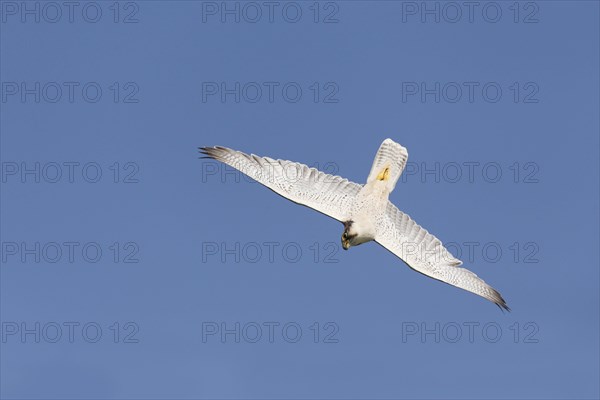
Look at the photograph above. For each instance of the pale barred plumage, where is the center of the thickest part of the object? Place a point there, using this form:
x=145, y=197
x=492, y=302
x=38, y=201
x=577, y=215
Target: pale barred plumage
x=365, y=210
x=330, y=194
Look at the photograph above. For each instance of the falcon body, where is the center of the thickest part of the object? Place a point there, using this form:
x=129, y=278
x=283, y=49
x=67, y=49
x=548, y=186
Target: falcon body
x=367, y=215
x=365, y=210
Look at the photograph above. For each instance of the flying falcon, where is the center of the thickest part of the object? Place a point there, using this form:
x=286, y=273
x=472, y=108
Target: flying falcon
x=365, y=210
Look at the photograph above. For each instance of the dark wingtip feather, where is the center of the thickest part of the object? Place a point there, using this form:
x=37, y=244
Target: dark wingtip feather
x=209, y=152
x=500, y=302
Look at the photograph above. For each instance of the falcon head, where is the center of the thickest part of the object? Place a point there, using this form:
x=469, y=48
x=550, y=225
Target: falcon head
x=348, y=236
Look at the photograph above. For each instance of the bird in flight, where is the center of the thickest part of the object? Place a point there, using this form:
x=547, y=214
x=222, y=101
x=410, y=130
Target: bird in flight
x=365, y=210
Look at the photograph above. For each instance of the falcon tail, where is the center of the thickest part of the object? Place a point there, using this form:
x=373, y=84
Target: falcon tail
x=388, y=164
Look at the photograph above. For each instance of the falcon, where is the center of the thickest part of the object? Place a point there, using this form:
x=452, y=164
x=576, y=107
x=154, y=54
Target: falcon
x=365, y=210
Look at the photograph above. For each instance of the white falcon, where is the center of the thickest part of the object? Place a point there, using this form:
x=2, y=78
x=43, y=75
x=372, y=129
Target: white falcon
x=365, y=210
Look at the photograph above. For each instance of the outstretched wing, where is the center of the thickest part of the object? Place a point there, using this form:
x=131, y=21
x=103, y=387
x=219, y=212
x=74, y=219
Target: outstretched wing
x=425, y=253
x=389, y=163
x=329, y=194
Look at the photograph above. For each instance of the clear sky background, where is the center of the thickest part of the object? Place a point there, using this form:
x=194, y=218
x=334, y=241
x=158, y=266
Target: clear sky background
x=201, y=235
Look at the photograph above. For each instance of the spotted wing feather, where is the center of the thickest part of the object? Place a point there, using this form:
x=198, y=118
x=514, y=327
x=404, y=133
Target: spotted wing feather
x=425, y=253
x=329, y=194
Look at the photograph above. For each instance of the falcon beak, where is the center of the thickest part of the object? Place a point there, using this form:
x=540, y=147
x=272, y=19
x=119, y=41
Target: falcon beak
x=345, y=242
x=345, y=235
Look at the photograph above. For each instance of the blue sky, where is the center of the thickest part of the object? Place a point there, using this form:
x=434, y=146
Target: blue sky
x=133, y=269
